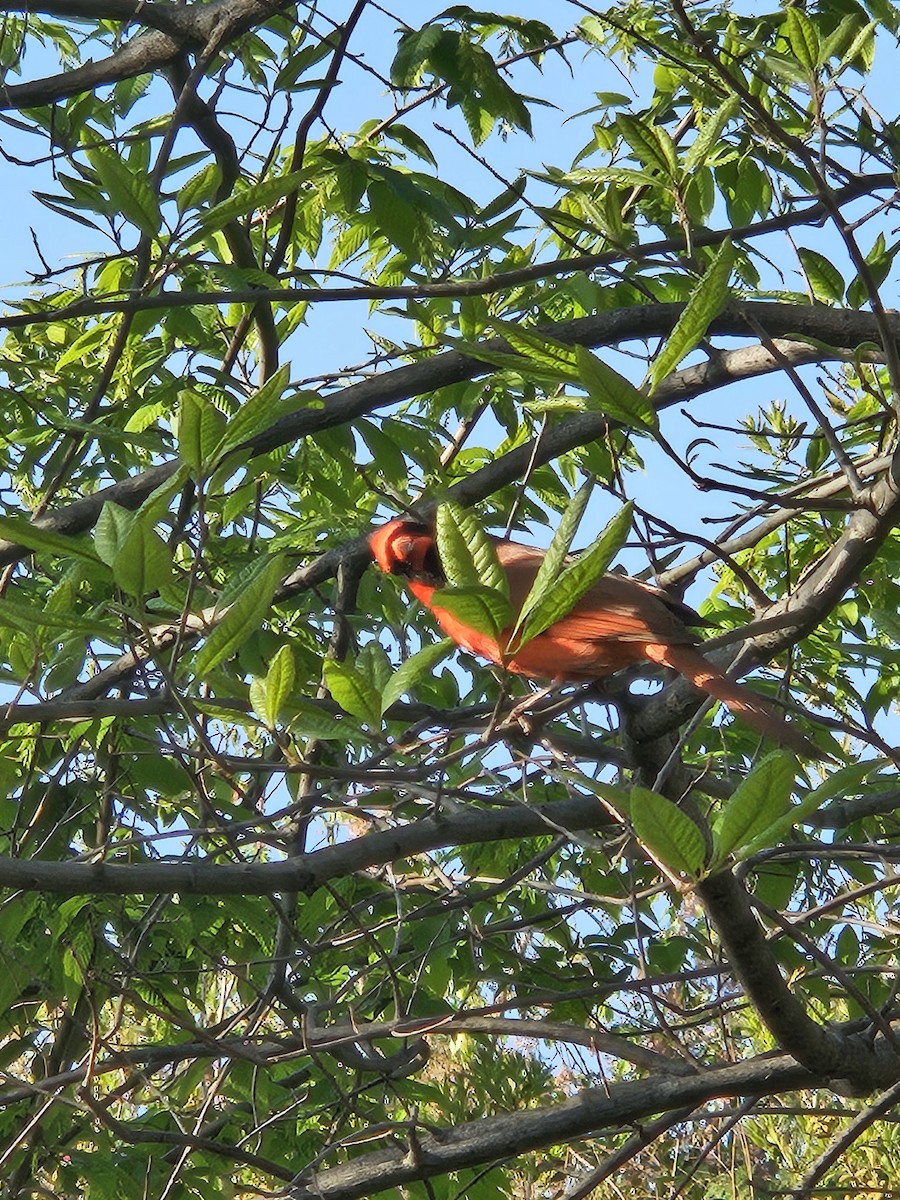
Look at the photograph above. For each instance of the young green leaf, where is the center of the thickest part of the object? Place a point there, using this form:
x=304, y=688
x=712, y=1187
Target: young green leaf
x=352, y=691
x=710, y=133
x=547, y=352
x=613, y=394
x=803, y=38
x=706, y=302
x=279, y=683
x=554, y=560
x=200, y=430
x=257, y=413
x=128, y=190
x=576, y=579
x=824, y=278
x=466, y=552
x=759, y=800
x=669, y=834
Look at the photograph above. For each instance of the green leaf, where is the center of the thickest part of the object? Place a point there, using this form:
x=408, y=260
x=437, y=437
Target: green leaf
x=613, y=394
x=577, y=579
x=803, y=38
x=529, y=368
x=416, y=667
x=554, y=560
x=669, y=834
x=706, y=302
x=199, y=188
x=710, y=133
x=45, y=541
x=863, y=45
x=258, y=699
x=352, y=691
x=546, y=352
x=758, y=801
x=505, y=200
x=112, y=528
x=128, y=190
x=622, y=176
x=481, y=609
x=143, y=563
x=306, y=720
x=413, y=51
x=260, y=412
x=838, y=783
x=268, y=695
x=280, y=680
x=260, y=195
x=92, y=339
x=200, y=432
x=824, y=278
x=880, y=259
x=28, y=617
x=647, y=144
x=243, y=616
x=467, y=553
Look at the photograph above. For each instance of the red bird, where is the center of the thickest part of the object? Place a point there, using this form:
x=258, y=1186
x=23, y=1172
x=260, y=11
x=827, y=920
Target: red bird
x=617, y=623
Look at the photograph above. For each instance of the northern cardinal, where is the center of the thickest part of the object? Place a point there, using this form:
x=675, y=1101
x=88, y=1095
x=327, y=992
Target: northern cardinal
x=618, y=622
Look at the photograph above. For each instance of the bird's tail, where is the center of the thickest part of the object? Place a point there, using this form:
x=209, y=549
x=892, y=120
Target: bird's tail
x=743, y=702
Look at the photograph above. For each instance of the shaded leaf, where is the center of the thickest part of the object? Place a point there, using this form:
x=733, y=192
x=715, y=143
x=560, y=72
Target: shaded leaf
x=416, y=667
x=243, y=616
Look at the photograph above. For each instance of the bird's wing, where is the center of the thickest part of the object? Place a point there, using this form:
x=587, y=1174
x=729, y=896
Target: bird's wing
x=615, y=607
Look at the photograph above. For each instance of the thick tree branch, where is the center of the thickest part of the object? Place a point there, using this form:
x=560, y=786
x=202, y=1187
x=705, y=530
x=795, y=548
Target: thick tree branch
x=416, y=379
x=820, y=589
x=491, y=1139
x=309, y=871
x=867, y=1064
x=188, y=28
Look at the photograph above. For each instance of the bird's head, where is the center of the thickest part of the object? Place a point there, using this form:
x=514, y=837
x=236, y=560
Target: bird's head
x=407, y=548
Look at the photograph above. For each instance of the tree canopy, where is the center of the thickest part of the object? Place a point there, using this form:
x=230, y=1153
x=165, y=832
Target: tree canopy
x=299, y=899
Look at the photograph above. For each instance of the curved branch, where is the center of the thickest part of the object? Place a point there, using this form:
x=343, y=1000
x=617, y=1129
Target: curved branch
x=826, y=1053
x=798, y=613
x=187, y=28
x=359, y=399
